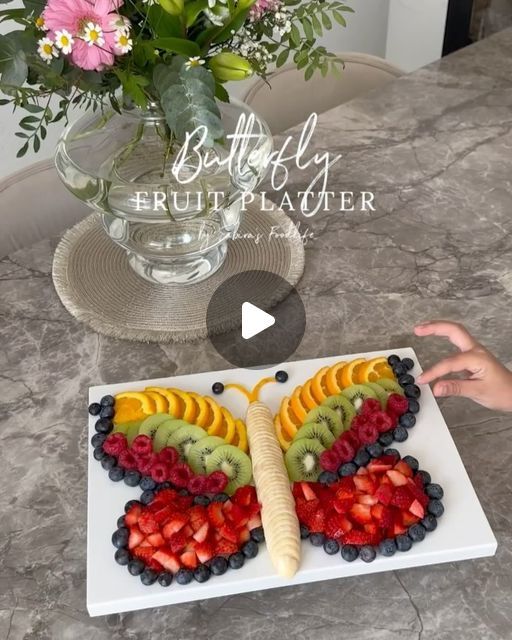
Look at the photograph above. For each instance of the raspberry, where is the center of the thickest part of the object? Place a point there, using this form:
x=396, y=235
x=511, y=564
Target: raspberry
x=127, y=460
x=197, y=485
x=216, y=482
x=368, y=433
x=145, y=463
x=180, y=475
x=381, y=421
x=344, y=450
x=114, y=444
x=160, y=472
x=329, y=460
x=401, y=498
x=370, y=405
x=169, y=455
x=351, y=437
x=397, y=404
x=142, y=445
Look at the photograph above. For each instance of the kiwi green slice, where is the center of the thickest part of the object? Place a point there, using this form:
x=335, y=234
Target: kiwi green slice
x=316, y=431
x=380, y=391
x=184, y=437
x=132, y=432
x=343, y=407
x=358, y=393
x=302, y=460
x=326, y=417
x=123, y=427
x=198, y=453
x=234, y=463
x=390, y=386
x=165, y=430
x=150, y=425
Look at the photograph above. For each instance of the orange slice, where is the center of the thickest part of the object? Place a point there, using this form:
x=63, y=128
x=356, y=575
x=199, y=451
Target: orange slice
x=306, y=396
x=288, y=418
x=296, y=404
x=347, y=374
x=255, y=395
x=161, y=404
x=215, y=425
x=133, y=405
x=242, y=435
x=227, y=429
x=385, y=371
x=281, y=436
x=317, y=388
x=189, y=405
x=367, y=371
x=172, y=400
x=241, y=388
x=203, y=415
x=332, y=377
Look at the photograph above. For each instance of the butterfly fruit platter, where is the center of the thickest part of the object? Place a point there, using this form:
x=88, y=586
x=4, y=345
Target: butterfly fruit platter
x=226, y=482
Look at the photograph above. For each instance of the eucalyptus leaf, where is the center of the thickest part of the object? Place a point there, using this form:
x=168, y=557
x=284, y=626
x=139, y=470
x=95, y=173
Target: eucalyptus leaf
x=13, y=59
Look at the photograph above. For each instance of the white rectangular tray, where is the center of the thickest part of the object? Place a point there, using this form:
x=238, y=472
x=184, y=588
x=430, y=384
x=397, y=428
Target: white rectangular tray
x=463, y=530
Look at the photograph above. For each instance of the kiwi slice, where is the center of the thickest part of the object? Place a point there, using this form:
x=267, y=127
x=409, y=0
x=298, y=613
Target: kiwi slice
x=184, y=437
x=316, y=431
x=234, y=463
x=390, y=386
x=198, y=453
x=165, y=430
x=326, y=417
x=358, y=393
x=381, y=393
x=343, y=407
x=132, y=432
x=123, y=427
x=302, y=460
x=150, y=425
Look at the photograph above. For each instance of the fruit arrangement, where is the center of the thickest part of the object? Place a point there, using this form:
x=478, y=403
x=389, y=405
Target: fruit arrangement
x=178, y=537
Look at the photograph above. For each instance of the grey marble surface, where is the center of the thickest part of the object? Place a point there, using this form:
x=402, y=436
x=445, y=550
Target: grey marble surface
x=436, y=147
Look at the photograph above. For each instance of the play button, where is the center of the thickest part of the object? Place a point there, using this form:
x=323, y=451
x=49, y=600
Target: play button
x=256, y=319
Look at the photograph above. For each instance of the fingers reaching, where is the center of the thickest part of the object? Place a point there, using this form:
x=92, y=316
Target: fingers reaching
x=454, y=364
x=464, y=388
x=455, y=333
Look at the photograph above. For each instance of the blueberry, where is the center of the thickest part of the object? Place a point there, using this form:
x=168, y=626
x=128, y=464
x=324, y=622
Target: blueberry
x=425, y=476
x=203, y=501
x=347, y=469
x=412, y=462
x=165, y=485
x=120, y=537
x=349, y=553
x=434, y=491
x=258, y=535
x=386, y=438
x=417, y=532
x=412, y=391
x=400, y=434
x=147, y=496
x=367, y=553
x=107, y=412
x=94, y=408
x=104, y=425
x=136, y=567
x=327, y=477
x=99, y=454
x=122, y=557
x=399, y=370
x=435, y=507
x=98, y=439
x=236, y=560
x=429, y=522
x=165, y=579
x=392, y=452
x=107, y=401
x=132, y=478
x=147, y=484
x=304, y=532
x=317, y=539
x=108, y=462
x=387, y=547
x=184, y=576
x=407, y=420
x=362, y=457
x=202, y=573
x=281, y=376
x=116, y=474
x=120, y=522
x=393, y=360
x=414, y=405
x=219, y=566
x=331, y=547
x=217, y=388
x=183, y=492
x=250, y=549
x=403, y=543
x=220, y=497
x=148, y=577
x=406, y=379
x=130, y=504
x=408, y=363
x=375, y=450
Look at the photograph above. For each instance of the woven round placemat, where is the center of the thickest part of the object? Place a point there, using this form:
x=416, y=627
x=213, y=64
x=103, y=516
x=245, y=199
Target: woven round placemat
x=97, y=286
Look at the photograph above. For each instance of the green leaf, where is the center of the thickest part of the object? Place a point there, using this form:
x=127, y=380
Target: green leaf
x=221, y=93
x=317, y=26
x=177, y=45
x=23, y=150
x=193, y=9
x=308, y=29
x=295, y=35
x=36, y=144
x=326, y=21
x=309, y=72
x=13, y=60
x=339, y=18
x=235, y=23
x=162, y=23
x=34, y=7
x=282, y=57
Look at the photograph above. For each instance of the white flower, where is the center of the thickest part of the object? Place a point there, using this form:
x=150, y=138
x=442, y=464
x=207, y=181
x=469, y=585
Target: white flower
x=212, y=3
x=121, y=23
x=93, y=34
x=47, y=50
x=196, y=61
x=64, y=41
x=123, y=41
x=150, y=3
x=40, y=23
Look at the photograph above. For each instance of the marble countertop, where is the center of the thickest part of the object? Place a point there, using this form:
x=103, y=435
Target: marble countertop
x=436, y=147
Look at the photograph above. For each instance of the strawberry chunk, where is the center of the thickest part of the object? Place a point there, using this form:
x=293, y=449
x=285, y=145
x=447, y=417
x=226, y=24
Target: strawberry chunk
x=417, y=509
x=176, y=522
x=198, y=516
x=156, y=540
x=384, y=494
x=168, y=560
x=135, y=538
x=204, y=551
x=402, y=498
x=132, y=517
x=148, y=523
x=361, y=513
x=404, y=468
x=189, y=560
x=215, y=514
x=243, y=496
x=178, y=542
x=336, y=526
x=364, y=483
x=307, y=491
x=225, y=547
x=357, y=538
x=397, y=479
x=229, y=533
x=201, y=534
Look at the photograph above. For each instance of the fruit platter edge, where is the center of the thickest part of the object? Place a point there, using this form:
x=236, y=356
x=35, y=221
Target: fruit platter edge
x=464, y=533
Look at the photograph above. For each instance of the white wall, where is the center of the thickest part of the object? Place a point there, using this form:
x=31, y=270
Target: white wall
x=408, y=32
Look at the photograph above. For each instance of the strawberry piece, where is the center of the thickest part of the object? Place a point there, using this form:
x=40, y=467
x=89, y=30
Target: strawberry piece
x=238, y=516
x=216, y=482
x=397, y=404
x=377, y=466
x=244, y=535
x=402, y=498
x=366, y=498
x=370, y=406
x=178, y=542
x=201, y=534
x=397, y=479
x=132, y=517
x=336, y=526
x=148, y=523
x=404, y=469
x=346, y=488
x=169, y=455
x=225, y=547
x=204, y=551
x=183, y=503
x=316, y=522
x=254, y=522
x=135, y=538
x=175, y=524
x=364, y=483
x=418, y=494
x=180, y=474
x=197, y=485
x=357, y=538
x=384, y=494
x=146, y=554
x=361, y=513
x=189, y=560
x=382, y=515
x=329, y=460
x=198, y=516
x=408, y=518
x=417, y=509
x=114, y=444
x=166, y=496
x=371, y=528
x=243, y=496
x=142, y=445
x=228, y=532
x=160, y=472
x=381, y=421
x=342, y=505
x=297, y=491
x=163, y=515
x=215, y=515
x=305, y=510
x=156, y=540
x=307, y=491
x=344, y=450
x=168, y=560
x=127, y=460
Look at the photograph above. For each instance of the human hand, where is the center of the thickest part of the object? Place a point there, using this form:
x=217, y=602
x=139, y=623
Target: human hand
x=488, y=382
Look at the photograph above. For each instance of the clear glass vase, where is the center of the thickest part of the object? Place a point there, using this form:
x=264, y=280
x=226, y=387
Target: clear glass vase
x=172, y=208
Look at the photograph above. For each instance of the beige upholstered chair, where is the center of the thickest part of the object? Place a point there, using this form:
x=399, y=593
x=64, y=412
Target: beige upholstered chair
x=34, y=204
x=290, y=99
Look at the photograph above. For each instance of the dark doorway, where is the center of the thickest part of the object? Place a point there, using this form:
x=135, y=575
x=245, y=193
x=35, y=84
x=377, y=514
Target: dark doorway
x=458, y=25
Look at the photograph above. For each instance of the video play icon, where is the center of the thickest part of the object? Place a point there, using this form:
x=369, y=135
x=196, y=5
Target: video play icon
x=254, y=320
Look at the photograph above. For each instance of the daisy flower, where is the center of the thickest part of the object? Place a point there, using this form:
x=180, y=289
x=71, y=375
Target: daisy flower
x=47, y=50
x=64, y=41
x=93, y=34
x=123, y=41
x=195, y=61
x=40, y=23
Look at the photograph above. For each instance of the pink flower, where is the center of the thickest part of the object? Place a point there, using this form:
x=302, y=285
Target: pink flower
x=261, y=7
x=90, y=52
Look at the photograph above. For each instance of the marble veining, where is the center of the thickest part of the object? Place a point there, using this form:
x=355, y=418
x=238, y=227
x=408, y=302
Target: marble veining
x=436, y=147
